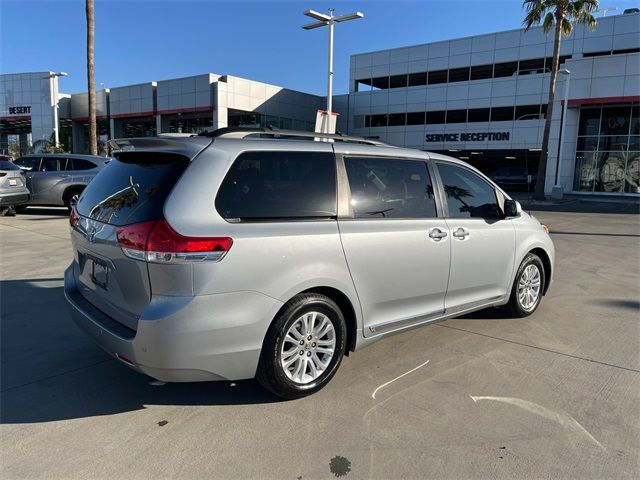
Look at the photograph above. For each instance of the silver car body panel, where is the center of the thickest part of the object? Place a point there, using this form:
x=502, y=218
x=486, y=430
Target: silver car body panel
x=207, y=320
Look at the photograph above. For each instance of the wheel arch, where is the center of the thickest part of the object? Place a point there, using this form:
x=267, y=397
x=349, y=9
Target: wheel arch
x=71, y=188
x=546, y=263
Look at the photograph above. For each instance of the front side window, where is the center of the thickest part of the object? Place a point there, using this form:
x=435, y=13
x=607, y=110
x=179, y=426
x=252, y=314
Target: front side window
x=279, y=185
x=390, y=188
x=468, y=195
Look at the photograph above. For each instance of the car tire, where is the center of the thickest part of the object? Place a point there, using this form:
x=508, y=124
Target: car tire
x=304, y=319
x=528, y=287
x=71, y=197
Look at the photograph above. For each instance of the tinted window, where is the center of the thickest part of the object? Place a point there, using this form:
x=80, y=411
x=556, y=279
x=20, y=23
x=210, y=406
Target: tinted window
x=478, y=115
x=378, y=120
x=468, y=195
x=81, y=164
x=50, y=164
x=28, y=163
x=390, y=188
x=438, y=76
x=501, y=114
x=435, y=118
x=415, y=118
x=398, y=81
x=459, y=74
x=456, y=116
x=272, y=185
x=506, y=69
x=396, y=119
x=7, y=165
x=417, y=79
x=132, y=188
x=480, y=72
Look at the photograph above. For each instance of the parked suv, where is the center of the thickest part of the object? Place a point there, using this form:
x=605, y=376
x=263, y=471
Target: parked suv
x=249, y=253
x=59, y=179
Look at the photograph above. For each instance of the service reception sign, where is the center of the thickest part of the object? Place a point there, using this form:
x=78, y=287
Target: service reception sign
x=469, y=137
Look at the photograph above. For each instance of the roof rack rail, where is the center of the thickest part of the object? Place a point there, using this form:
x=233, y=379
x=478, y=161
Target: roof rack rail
x=271, y=132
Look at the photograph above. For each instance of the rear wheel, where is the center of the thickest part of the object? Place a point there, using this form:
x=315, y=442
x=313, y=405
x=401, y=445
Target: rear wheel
x=303, y=347
x=528, y=286
x=71, y=197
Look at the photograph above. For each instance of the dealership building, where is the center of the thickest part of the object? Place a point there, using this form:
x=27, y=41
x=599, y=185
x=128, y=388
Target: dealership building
x=481, y=98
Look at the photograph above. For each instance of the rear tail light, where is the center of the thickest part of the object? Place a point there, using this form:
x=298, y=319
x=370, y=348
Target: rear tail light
x=2, y=174
x=74, y=217
x=157, y=242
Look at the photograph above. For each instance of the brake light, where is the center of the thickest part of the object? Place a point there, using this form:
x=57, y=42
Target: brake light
x=74, y=217
x=2, y=174
x=157, y=242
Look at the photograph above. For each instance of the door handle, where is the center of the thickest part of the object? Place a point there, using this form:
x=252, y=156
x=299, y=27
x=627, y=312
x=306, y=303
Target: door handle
x=437, y=234
x=461, y=233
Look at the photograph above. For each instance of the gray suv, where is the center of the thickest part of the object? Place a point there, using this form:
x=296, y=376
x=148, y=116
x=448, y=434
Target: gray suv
x=58, y=179
x=252, y=253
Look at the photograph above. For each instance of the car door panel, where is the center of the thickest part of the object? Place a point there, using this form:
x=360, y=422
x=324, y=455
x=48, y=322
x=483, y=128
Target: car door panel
x=482, y=242
x=400, y=272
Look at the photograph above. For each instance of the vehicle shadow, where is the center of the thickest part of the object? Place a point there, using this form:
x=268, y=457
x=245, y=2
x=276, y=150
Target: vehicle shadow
x=490, y=313
x=50, y=370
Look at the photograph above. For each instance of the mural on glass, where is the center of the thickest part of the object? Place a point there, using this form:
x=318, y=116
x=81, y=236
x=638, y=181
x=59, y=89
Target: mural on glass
x=608, y=150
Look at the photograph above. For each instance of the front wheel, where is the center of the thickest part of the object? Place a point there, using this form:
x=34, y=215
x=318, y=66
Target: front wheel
x=528, y=286
x=303, y=347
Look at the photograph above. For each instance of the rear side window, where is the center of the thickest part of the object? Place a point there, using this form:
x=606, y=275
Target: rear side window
x=80, y=164
x=468, y=195
x=7, y=165
x=50, y=164
x=28, y=163
x=132, y=189
x=279, y=185
x=390, y=188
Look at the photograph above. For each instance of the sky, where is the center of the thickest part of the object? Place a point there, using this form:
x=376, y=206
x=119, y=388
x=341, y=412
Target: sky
x=149, y=40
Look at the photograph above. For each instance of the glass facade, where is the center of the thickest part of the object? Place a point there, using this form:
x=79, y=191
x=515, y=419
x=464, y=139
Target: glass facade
x=608, y=150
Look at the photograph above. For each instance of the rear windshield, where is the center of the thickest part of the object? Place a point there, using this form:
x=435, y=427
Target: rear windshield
x=7, y=165
x=132, y=188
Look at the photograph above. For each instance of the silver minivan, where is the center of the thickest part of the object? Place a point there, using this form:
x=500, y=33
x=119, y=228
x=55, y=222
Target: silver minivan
x=249, y=253
x=58, y=179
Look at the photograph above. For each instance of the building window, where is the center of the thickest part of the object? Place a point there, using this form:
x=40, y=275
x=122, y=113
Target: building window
x=506, y=69
x=380, y=83
x=378, y=120
x=479, y=114
x=417, y=79
x=398, y=81
x=608, y=150
x=415, y=118
x=456, y=116
x=459, y=74
x=527, y=112
x=481, y=72
x=438, y=76
x=435, y=118
x=531, y=66
x=501, y=114
x=397, y=119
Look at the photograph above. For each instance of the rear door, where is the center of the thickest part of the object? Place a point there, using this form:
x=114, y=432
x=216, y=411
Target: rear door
x=130, y=190
x=482, y=241
x=396, y=245
x=45, y=180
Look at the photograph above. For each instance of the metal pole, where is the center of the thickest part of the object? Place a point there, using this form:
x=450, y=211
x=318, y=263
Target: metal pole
x=54, y=93
x=330, y=82
x=562, y=125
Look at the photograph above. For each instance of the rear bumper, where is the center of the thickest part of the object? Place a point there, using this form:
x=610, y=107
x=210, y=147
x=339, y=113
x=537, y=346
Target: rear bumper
x=13, y=198
x=183, y=339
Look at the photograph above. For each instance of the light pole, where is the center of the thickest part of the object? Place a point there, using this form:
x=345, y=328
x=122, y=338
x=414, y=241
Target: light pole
x=53, y=92
x=329, y=20
x=557, y=189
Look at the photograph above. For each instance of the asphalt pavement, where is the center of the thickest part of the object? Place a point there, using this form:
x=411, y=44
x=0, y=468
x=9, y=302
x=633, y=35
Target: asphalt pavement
x=555, y=395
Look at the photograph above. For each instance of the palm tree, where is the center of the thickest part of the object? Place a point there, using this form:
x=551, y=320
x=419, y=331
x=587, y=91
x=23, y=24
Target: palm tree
x=91, y=81
x=560, y=15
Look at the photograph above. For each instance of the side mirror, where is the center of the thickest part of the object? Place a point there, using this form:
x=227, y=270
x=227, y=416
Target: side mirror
x=512, y=208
